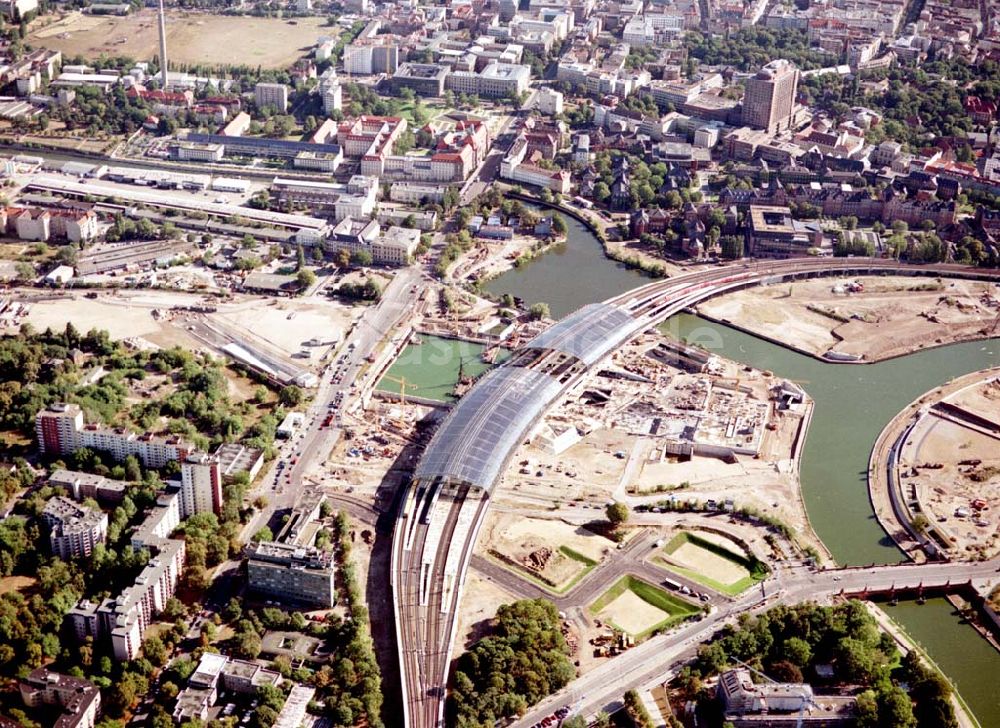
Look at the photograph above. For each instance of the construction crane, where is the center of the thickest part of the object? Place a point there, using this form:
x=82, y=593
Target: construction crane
x=806, y=697
x=404, y=384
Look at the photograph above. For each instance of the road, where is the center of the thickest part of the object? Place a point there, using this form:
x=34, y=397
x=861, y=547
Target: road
x=425, y=593
x=630, y=560
x=282, y=485
x=653, y=660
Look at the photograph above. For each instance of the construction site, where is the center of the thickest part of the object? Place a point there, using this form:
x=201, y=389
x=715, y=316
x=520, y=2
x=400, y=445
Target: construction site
x=948, y=468
x=862, y=318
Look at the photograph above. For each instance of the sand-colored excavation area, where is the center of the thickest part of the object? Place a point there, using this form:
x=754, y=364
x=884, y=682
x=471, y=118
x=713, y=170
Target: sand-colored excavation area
x=545, y=548
x=555, y=533
x=631, y=614
x=891, y=317
x=715, y=567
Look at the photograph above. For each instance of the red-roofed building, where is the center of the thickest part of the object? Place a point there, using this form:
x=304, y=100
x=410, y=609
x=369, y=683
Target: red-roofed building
x=981, y=111
x=163, y=102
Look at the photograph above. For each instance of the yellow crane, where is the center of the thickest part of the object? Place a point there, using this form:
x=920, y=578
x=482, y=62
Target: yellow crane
x=404, y=384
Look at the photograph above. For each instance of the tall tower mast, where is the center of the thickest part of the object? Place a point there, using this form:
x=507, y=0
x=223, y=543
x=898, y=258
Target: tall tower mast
x=163, y=48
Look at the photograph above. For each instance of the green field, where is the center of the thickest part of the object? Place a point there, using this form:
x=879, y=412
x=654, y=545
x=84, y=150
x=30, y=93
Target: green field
x=678, y=609
x=431, y=368
x=756, y=570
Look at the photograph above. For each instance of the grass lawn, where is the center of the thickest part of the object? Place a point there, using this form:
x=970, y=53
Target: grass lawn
x=756, y=570
x=675, y=608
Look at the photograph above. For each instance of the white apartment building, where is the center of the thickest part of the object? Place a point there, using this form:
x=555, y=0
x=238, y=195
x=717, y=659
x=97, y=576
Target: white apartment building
x=330, y=91
x=271, y=94
x=365, y=58
x=74, y=529
x=549, y=101
x=60, y=430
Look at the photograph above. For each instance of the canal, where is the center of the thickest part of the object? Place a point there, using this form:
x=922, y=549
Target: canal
x=853, y=404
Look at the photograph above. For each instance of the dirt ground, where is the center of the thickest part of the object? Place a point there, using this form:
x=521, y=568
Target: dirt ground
x=15, y=583
x=480, y=600
x=192, y=37
x=327, y=322
x=703, y=561
x=893, y=316
x=119, y=319
x=534, y=543
x=632, y=614
x=968, y=476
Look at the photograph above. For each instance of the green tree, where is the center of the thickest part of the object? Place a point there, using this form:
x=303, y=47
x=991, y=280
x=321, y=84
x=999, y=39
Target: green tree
x=539, y=311
x=617, y=513
x=290, y=396
x=305, y=278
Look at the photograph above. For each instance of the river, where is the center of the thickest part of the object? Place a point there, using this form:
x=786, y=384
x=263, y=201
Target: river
x=853, y=404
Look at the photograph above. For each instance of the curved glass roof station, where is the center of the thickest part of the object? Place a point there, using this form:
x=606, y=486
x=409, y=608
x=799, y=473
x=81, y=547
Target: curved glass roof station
x=588, y=333
x=479, y=434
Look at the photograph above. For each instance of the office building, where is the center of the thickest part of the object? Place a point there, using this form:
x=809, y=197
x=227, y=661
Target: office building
x=774, y=234
x=79, y=699
x=395, y=246
x=425, y=79
x=496, y=81
x=215, y=672
x=235, y=458
x=201, y=485
x=74, y=529
x=291, y=573
x=769, y=101
x=273, y=95
x=746, y=704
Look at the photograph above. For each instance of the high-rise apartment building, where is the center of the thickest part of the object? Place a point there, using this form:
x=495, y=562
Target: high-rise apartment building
x=74, y=529
x=201, y=485
x=271, y=94
x=769, y=102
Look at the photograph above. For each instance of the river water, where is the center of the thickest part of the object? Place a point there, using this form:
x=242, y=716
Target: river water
x=853, y=405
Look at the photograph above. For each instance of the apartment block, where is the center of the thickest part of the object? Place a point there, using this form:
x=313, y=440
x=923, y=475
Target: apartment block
x=201, y=485
x=124, y=619
x=81, y=486
x=79, y=700
x=74, y=530
x=271, y=94
x=60, y=430
x=292, y=573
x=330, y=91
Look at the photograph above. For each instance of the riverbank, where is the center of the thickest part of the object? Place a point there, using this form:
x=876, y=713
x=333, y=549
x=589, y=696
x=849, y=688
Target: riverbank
x=906, y=644
x=861, y=319
x=914, y=512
